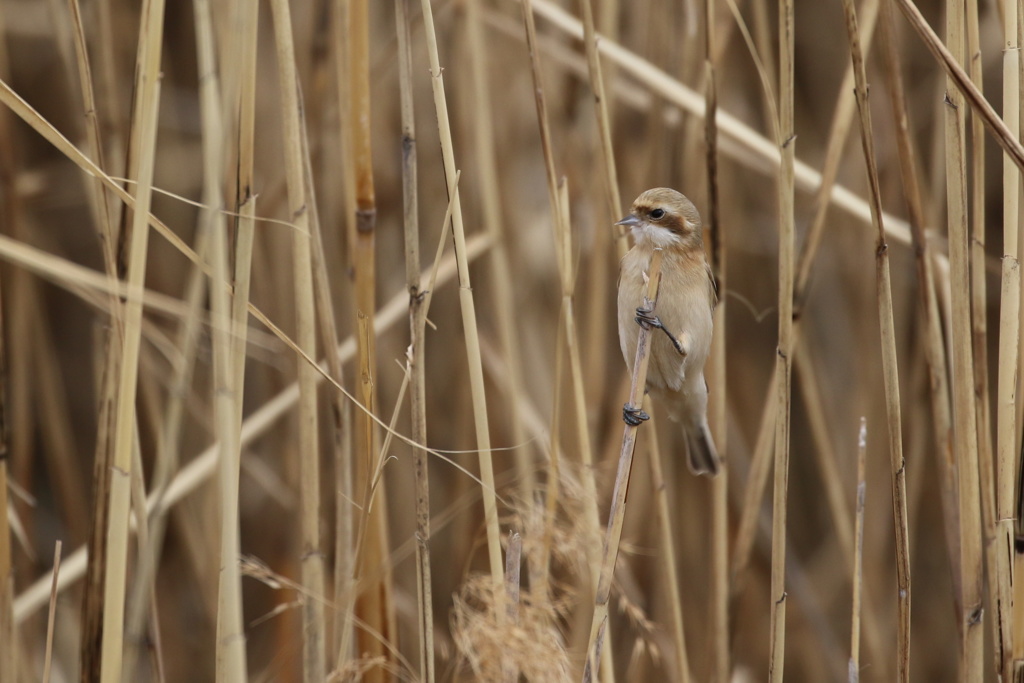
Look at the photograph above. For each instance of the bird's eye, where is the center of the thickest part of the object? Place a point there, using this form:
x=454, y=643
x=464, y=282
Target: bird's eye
x=658, y=214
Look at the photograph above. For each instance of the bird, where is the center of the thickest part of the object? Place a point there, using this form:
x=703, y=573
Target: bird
x=664, y=218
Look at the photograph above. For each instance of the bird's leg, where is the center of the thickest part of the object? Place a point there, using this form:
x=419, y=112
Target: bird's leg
x=647, y=321
x=633, y=416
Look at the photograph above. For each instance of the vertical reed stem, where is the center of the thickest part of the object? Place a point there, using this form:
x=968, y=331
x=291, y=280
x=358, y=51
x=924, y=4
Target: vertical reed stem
x=1008, y=376
x=890, y=371
x=147, y=105
x=964, y=419
x=311, y=554
x=468, y=308
x=783, y=365
x=416, y=354
x=858, y=555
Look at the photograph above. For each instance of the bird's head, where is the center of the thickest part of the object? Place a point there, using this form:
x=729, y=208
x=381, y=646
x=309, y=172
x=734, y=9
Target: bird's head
x=664, y=218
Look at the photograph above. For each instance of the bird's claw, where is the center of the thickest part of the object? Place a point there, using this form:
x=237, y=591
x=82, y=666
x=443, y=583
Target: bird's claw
x=633, y=416
x=647, y=321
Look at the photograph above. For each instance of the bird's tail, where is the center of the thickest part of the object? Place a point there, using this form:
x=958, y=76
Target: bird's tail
x=703, y=456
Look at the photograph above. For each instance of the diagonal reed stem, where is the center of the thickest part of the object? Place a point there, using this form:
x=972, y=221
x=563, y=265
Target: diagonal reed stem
x=617, y=512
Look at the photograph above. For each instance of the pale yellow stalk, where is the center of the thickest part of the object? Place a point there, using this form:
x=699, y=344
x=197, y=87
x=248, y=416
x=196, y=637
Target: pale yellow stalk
x=783, y=359
x=468, y=308
x=890, y=374
x=147, y=105
x=599, y=622
x=1008, y=375
x=310, y=552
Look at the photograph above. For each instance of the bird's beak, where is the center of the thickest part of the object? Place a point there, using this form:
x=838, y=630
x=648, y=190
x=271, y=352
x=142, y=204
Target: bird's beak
x=630, y=221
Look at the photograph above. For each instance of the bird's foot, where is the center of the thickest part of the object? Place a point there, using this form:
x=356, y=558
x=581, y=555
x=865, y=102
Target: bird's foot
x=647, y=321
x=633, y=416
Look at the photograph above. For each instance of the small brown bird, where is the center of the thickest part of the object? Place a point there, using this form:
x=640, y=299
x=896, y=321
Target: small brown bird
x=664, y=218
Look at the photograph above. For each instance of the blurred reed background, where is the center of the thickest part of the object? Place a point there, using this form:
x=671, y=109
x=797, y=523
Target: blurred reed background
x=290, y=157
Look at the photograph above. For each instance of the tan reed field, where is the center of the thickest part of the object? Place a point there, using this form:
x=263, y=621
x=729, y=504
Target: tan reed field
x=310, y=352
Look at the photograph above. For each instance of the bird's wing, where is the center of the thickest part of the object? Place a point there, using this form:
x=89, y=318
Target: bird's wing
x=713, y=285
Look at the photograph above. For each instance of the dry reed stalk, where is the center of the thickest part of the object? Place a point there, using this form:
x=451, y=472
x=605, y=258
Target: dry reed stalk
x=934, y=343
x=617, y=512
x=468, y=308
x=717, y=405
x=964, y=424
x=245, y=235
x=667, y=530
x=340, y=409
x=101, y=200
x=979, y=328
x=92, y=604
x=542, y=580
x=604, y=125
x=758, y=477
x=500, y=270
x=231, y=658
x=245, y=196
x=147, y=108
x=311, y=554
x=890, y=373
x=513, y=562
x=51, y=617
x=416, y=355
x=1008, y=376
x=783, y=364
x=558, y=198
x=373, y=606
x=858, y=554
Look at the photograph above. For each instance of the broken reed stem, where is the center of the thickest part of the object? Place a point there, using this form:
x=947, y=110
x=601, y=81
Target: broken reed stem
x=310, y=552
x=513, y=562
x=717, y=404
x=667, y=530
x=231, y=660
x=416, y=354
x=964, y=427
x=617, y=511
x=890, y=370
x=51, y=617
x=500, y=268
x=1007, y=377
x=604, y=126
x=468, y=307
x=783, y=365
x=147, y=105
x=858, y=554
